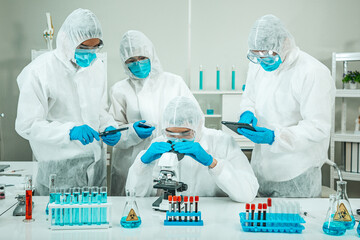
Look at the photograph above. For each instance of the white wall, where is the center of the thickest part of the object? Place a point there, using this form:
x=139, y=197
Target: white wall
x=219, y=30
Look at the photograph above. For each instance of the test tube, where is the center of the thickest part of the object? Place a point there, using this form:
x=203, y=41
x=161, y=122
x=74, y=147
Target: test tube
x=52, y=178
x=233, y=78
x=28, y=199
x=75, y=200
x=103, y=211
x=67, y=201
x=57, y=210
x=259, y=214
x=186, y=206
x=252, y=213
x=95, y=200
x=170, y=205
x=201, y=78
x=247, y=208
x=85, y=211
x=264, y=213
x=62, y=201
x=217, y=77
x=196, y=207
x=179, y=206
x=191, y=207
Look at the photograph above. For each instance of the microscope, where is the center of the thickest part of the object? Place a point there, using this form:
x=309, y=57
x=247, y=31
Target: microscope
x=168, y=179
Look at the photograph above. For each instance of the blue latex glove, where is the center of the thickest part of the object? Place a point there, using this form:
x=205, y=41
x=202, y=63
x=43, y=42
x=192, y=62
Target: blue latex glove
x=141, y=131
x=155, y=151
x=111, y=139
x=248, y=118
x=194, y=150
x=261, y=136
x=84, y=134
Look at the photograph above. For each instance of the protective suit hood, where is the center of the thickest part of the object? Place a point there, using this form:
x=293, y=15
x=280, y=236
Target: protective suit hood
x=269, y=33
x=135, y=43
x=184, y=112
x=79, y=26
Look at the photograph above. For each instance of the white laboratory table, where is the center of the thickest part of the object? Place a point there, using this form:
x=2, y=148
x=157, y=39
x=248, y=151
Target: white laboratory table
x=220, y=215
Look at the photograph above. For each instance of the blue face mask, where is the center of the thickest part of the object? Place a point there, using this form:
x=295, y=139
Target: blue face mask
x=140, y=69
x=272, y=67
x=84, y=58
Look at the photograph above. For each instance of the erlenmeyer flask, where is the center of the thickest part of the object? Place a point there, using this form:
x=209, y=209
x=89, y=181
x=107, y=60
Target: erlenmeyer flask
x=358, y=229
x=332, y=226
x=131, y=216
x=344, y=212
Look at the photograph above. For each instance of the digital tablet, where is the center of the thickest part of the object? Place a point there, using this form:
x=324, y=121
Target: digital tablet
x=235, y=125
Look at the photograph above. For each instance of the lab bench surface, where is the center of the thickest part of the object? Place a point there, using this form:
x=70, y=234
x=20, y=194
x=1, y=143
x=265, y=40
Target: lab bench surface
x=220, y=215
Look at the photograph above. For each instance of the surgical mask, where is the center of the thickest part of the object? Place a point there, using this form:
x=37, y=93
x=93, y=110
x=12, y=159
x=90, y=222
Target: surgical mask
x=84, y=57
x=271, y=67
x=140, y=69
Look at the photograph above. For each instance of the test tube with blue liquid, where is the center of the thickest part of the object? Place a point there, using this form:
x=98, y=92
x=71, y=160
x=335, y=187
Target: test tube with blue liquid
x=201, y=78
x=103, y=199
x=217, y=77
x=76, y=211
x=62, y=210
x=233, y=78
x=86, y=219
x=67, y=201
x=95, y=215
x=57, y=210
x=52, y=196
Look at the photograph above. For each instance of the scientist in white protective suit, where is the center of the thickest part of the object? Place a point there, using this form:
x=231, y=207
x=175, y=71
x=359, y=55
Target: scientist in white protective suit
x=289, y=97
x=213, y=165
x=63, y=105
x=140, y=98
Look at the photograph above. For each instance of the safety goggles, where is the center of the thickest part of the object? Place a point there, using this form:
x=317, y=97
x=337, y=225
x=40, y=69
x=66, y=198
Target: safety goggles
x=268, y=57
x=94, y=49
x=189, y=134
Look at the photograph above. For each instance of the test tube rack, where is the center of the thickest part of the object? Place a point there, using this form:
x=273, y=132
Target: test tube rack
x=275, y=222
x=172, y=222
x=62, y=225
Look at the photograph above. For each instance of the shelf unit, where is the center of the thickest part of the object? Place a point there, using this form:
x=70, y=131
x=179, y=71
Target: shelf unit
x=343, y=135
x=222, y=99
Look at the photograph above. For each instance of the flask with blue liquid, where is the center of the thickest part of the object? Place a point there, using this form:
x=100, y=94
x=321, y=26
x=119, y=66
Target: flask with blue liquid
x=332, y=225
x=131, y=216
x=344, y=210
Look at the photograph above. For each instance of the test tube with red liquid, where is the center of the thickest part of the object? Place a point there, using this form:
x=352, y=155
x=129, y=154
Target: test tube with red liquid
x=28, y=199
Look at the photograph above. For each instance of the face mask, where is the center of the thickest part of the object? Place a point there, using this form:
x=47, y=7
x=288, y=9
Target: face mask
x=84, y=58
x=272, y=67
x=140, y=69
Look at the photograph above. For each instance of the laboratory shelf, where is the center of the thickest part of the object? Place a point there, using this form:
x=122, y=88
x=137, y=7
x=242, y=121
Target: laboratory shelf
x=215, y=92
x=351, y=56
x=348, y=136
x=213, y=116
x=351, y=176
x=350, y=93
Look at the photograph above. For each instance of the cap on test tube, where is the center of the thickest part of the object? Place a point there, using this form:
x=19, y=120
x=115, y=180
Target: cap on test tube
x=252, y=206
x=186, y=199
x=191, y=199
x=247, y=206
x=269, y=202
x=196, y=198
x=264, y=206
x=259, y=206
x=170, y=198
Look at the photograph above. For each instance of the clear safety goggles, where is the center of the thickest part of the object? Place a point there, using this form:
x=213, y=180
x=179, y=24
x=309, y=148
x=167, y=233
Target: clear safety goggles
x=189, y=134
x=93, y=49
x=268, y=57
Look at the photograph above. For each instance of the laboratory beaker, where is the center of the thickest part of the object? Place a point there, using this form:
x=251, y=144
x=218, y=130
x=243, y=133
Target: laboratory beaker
x=344, y=212
x=331, y=225
x=131, y=216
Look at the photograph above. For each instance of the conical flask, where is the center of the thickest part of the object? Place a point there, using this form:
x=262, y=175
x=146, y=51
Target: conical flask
x=358, y=229
x=131, y=216
x=332, y=226
x=344, y=212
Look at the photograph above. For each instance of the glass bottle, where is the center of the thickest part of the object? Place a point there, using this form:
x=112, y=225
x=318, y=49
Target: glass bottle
x=131, y=216
x=332, y=226
x=344, y=212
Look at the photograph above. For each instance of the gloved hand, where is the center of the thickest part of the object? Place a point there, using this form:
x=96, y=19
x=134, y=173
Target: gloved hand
x=155, y=151
x=194, y=150
x=261, y=136
x=141, y=131
x=248, y=118
x=84, y=134
x=111, y=139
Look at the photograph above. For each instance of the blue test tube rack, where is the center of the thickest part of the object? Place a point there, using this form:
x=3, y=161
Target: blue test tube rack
x=68, y=208
x=169, y=215
x=275, y=222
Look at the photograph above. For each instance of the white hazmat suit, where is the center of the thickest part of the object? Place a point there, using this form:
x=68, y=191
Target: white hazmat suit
x=232, y=176
x=57, y=95
x=295, y=101
x=135, y=99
